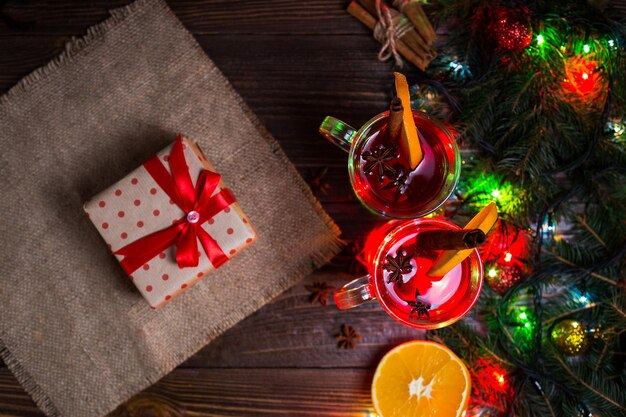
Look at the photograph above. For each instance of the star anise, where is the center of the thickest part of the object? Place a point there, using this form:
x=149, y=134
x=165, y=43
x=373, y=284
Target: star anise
x=398, y=266
x=315, y=180
x=354, y=250
x=378, y=159
x=399, y=181
x=319, y=292
x=348, y=338
x=419, y=306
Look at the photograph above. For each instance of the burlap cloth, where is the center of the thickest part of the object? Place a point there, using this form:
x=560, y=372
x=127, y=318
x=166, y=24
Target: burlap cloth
x=73, y=329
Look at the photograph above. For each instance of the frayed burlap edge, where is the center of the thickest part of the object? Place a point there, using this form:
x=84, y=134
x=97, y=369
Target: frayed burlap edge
x=73, y=49
x=29, y=384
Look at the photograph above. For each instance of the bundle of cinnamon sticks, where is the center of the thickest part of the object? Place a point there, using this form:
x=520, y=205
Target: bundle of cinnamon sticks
x=413, y=34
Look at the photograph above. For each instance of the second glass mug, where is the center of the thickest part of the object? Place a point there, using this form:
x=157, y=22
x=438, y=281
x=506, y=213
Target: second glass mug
x=379, y=175
x=410, y=296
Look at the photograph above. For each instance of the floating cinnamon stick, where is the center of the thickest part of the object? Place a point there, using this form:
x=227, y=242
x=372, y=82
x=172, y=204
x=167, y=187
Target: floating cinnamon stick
x=410, y=37
x=413, y=10
x=394, y=125
x=450, y=239
x=370, y=21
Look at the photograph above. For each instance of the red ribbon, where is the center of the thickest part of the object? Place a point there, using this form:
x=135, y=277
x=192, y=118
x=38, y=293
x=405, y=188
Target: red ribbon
x=183, y=233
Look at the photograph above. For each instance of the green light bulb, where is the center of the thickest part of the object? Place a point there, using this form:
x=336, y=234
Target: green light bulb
x=523, y=316
x=586, y=49
x=540, y=39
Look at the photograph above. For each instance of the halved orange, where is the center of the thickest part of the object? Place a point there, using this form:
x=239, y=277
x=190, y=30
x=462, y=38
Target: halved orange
x=421, y=379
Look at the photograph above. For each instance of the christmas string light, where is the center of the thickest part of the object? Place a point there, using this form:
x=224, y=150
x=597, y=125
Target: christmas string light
x=480, y=188
x=540, y=39
x=583, y=80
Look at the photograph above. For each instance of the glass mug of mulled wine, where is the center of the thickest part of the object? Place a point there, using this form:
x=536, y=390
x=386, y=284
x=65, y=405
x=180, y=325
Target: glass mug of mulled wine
x=399, y=255
x=380, y=175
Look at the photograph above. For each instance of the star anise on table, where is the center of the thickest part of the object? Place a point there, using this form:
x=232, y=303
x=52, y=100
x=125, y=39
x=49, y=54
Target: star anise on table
x=353, y=250
x=398, y=266
x=419, y=306
x=319, y=292
x=348, y=338
x=315, y=180
x=378, y=159
x=399, y=181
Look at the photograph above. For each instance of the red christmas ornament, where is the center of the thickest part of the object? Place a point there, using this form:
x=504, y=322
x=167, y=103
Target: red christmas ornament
x=510, y=28
x=503, y=277
x=491, y=386
x=583, y=80
x=506, y=245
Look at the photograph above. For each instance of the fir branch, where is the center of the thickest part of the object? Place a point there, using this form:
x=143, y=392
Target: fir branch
x=547, y=401
x=617, y=309
x=589, y=387
x=584, y=224
x=570, y=312
x=573, y=265
x=599, y=361
x=486, y=349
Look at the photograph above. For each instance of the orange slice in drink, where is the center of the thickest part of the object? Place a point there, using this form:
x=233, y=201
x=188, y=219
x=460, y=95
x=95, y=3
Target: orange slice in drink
x=409, y=138
x=484, y=221
x=421, y=379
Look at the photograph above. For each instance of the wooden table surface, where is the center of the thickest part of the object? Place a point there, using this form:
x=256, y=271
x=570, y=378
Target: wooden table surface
x=294, y=62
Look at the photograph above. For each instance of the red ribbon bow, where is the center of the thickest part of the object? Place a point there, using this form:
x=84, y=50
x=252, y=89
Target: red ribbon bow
x=199, y=205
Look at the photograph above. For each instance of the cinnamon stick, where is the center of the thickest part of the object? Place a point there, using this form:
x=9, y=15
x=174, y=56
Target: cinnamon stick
x=413, y=10
x=368, y=20
x=394, y=124
x=411, y=37
x=450, y=239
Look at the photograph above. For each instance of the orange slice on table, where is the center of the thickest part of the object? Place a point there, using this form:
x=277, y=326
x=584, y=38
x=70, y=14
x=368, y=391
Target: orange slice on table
x=409, y=141
x=421, y=379
x=484, y=221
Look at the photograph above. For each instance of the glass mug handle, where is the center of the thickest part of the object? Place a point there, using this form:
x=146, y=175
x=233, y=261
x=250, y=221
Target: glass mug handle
x=355, y=293
x=338, y=132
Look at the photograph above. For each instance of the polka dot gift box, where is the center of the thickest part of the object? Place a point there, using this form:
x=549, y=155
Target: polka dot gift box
x=170, y=222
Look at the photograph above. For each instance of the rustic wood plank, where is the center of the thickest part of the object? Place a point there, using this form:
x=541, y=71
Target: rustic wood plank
x=326, y=65
x=199, y=16
x=292, y=332
x=231, y=392
x=291, y=83
x=14, y=401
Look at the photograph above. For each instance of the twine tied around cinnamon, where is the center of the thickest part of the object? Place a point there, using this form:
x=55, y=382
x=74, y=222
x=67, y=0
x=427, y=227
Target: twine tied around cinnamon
x=391, y=25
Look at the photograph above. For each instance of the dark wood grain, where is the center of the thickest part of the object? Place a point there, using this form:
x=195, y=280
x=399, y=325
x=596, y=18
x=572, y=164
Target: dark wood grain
x=311, y=17
x=232, y=392
x=295, y=62
x=292, y=332
x=291, y=82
